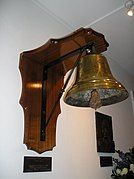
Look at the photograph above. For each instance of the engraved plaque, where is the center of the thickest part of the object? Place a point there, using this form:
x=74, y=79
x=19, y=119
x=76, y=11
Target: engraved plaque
x=105, y=161
x=37, y=164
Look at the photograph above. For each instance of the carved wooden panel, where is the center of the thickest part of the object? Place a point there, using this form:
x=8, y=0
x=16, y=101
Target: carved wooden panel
x=104, y=133
x=41, y=86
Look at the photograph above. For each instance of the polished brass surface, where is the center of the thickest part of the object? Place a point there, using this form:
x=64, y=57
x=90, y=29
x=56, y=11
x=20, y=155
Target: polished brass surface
x=95, y=85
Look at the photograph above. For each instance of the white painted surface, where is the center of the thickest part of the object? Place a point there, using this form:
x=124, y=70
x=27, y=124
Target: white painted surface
x=24, y=26
x=80, y=12
x=111, y=17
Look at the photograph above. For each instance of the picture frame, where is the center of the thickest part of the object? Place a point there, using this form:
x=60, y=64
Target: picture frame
x=104, y=133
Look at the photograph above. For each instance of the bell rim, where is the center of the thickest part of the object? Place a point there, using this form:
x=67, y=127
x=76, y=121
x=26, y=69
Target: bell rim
x=105, y=101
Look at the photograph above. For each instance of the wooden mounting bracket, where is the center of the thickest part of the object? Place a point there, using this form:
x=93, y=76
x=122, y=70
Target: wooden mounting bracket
x=40, y=85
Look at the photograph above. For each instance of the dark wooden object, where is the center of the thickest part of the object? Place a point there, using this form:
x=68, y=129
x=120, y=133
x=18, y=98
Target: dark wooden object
x=104, y=133
x=41, y=86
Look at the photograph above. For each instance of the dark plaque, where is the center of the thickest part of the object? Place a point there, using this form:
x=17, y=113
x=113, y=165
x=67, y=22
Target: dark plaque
x=105, y=161
x=37, y=164
x=104, y=133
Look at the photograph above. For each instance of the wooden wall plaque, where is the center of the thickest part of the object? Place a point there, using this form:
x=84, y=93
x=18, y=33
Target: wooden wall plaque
x=104, y=133
x=41, y=86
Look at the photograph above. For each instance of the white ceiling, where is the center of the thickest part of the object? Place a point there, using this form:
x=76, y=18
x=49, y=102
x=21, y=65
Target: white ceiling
x=105, y=16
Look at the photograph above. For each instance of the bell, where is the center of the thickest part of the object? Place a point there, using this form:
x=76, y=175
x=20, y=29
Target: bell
x=95, y=85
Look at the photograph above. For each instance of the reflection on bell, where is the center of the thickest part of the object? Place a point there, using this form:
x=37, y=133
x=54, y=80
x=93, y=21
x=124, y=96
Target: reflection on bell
x=95, y=85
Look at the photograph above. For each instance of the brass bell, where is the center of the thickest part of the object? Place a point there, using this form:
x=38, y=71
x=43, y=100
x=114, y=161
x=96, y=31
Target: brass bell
x=95, y=85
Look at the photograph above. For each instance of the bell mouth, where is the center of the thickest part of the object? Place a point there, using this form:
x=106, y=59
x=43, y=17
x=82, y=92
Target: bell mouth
x=107, y=97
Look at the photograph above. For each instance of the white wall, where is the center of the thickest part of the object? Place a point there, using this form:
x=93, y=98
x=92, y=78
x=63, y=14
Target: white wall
x=24, y=26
